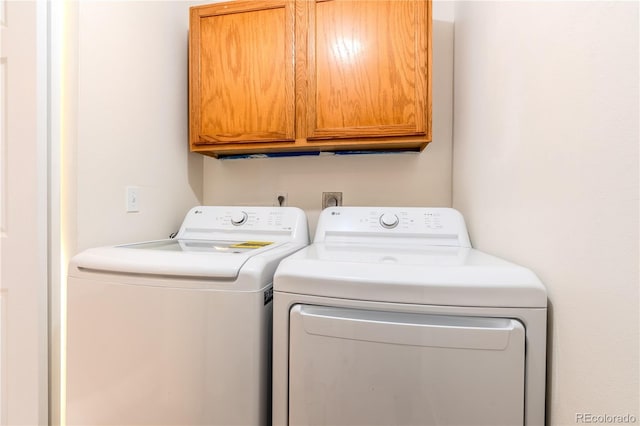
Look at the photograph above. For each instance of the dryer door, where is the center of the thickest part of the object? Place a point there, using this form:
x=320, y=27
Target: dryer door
x=358, y=367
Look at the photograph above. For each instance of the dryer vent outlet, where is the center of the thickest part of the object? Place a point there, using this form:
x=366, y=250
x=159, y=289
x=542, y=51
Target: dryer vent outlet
x=331, y=199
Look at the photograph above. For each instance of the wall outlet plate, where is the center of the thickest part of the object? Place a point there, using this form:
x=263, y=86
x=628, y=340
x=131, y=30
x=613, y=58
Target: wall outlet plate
x=331, y=199
x=280, y=199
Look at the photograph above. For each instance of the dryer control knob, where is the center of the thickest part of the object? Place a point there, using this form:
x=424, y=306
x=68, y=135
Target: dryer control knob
x=239, y=218
x=389, y=220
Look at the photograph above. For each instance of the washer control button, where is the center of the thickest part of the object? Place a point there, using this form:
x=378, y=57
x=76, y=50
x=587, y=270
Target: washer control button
x=389, y=220
x=238, y=218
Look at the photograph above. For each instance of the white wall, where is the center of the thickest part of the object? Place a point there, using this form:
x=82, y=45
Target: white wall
x=132, y=121
x=546, y=173
x=382, y=179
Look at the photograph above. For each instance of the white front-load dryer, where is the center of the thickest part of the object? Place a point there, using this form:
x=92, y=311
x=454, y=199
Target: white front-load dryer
x=391, y=318
x=178, y=331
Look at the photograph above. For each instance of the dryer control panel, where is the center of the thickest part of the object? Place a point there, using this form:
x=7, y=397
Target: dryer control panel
x=231, y=222
x=425, y=226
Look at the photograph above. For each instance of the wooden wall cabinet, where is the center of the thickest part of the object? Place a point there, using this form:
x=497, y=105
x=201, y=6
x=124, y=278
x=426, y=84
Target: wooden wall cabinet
x=304, y=75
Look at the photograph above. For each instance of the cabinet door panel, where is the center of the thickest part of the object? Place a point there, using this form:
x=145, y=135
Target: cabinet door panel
x=367, y=68
x=242, y=73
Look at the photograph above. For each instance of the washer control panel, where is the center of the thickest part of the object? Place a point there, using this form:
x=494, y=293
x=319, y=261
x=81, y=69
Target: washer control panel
x=353, y=223
x=219, y=222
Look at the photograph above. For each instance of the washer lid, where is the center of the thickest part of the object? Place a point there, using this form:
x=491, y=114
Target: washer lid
x=451, y=276
x=177, y=257
x=213, y=242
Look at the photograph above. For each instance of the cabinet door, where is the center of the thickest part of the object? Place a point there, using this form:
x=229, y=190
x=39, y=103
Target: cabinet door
x=367, y=67
x=241, y=73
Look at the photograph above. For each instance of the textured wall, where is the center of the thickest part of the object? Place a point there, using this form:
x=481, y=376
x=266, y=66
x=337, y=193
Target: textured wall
x=132, y=121
x=546, y=174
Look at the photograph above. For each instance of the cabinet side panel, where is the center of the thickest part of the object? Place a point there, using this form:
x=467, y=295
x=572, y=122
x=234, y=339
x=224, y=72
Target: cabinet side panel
x=194, y=77
x=425, y=49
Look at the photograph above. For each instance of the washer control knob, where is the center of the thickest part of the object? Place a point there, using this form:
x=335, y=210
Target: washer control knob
x=238, y=218
x=389, y=220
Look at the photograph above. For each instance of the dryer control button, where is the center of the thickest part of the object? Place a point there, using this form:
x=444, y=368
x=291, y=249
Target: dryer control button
x=238, y=218
x=389, y=220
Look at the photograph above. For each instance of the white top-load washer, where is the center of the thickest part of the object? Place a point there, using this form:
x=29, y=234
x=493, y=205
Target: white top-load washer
x=391, y=318
x=178, y=331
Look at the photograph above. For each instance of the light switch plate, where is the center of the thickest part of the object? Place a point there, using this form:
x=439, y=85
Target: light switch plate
x=133, y=199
